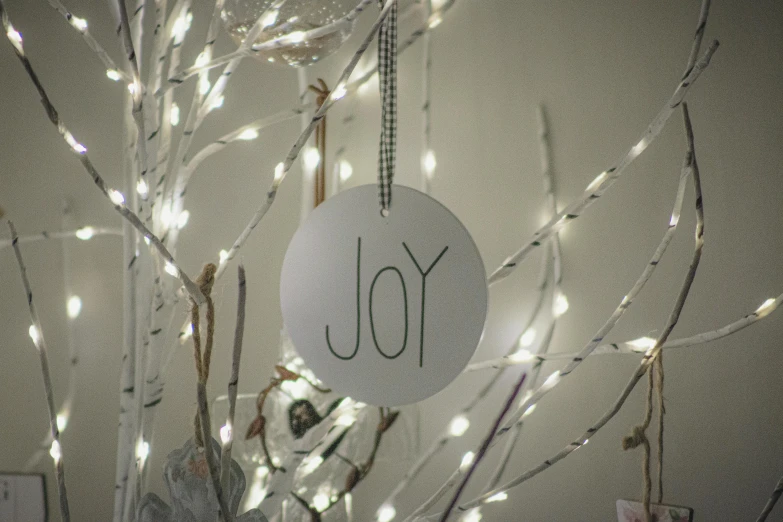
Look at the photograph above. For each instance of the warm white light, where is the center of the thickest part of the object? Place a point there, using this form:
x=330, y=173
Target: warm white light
x=171, y=269
x=311, y=158
x=147, y=240
x=596, y=182
x=34, y=334
x=179, y=28
x=639, y=147
x=529, y=410
x=521, y=356
x=166, y=215
x=560, y=306
x=112, y=74
x=187, y=333
x=386, y=513
x=474, y=515
x=527, y=338
x=203, y=85
x=183, y=218
x=296, y=37
x=75, y=145
x=55, y=451
x=459, y=425
x=498, y=497
x=310, y=465
x=346, y=170
x=642, y=343
x=62, y=421
x=269, y=18
x=143, y=451
x=429, y=163
x=321, y=501
x=339, y=92
x=223, y=255
x=552, y=380
x=346, y=419
x=132, y=88
x=142, y=189
x=74, y=306
x=202, y=59
x=674, y=220
x=85, y=233
x=248, y=134
x=15, y=37
x=79, y=23
x=116, y=197
x=279, y=171
x=766, y=307
x=585, y=442
x=435, y=21
x=174, y=115
x=217, y=103
x=467, y=460
x=225, y=431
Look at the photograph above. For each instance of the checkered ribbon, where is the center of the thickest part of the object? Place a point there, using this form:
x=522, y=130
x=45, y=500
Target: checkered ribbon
x=387, y=76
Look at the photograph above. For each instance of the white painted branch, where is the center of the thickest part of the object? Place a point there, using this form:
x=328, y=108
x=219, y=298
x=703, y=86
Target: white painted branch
x=62, y=234
x=426, y=77
x=606, y=179
x=294, y=152
x=773, y=499
x=40, y=346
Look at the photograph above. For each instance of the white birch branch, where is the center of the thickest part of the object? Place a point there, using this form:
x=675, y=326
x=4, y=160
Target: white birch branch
x=773, y=499
x=63, y=234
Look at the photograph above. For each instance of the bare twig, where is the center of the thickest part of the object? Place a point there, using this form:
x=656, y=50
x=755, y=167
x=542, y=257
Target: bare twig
x=773, y=499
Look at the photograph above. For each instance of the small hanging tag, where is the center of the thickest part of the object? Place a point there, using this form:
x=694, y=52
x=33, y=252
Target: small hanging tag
x=387, y=84
x=630, y=511
x=385, y=310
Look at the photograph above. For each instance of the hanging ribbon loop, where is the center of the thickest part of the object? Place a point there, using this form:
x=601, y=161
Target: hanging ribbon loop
x=387, y=82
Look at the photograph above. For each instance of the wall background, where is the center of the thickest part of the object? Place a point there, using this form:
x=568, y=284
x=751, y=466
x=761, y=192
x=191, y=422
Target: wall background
x=603, y=70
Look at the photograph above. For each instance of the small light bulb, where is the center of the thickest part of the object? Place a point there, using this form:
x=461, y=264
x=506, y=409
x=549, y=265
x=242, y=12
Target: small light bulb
x=147, y=240
x=311, y=158
x=529, y=410
x=467, y=460
x=15, y=37
x=527, y=338
x=674, y=220
x=142, y=189
x=279, y=172
x=34, y=334
x=143, y=451
x=551, y=381
x=174, y=115
x=765, y=308
x=225, y=432
x=560, y=306
x=339, y=92
x=311, y=464
x=521, y=356
x=429, y=163
x=459, y=425
x=642, y=343
x=116, y=197
x=79, y=23
x=202, y=59
x=85, y=233
x=248, y=134
x=74, y=306
x=296, y=37
x=346, y=419
x=474, y=515
x=386, y=513
x=55, y=451
x=75, y=145
x=346, y=170
x=596, y=182
x=269, y=18
x=182, y=219
x=321, y=501
x=435, y=21
x=171, y=269
x=186, y=333
x=62, y=421
x=132, y=88
x=217, y=103
x=223, y=255
x=112, y=74
x=165, y=215
x=498, y=497
x=639, y=147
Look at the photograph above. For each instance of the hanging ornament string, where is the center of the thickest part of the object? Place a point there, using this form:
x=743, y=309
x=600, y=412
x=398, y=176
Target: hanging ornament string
x=321, y=94
x=387, y=82
x=639, y=435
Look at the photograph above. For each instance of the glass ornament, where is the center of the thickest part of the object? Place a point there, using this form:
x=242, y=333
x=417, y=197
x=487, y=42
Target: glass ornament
x=292, y=19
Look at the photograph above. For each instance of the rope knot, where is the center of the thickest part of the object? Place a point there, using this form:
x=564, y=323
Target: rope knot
x=206, y=279
x=636, y=439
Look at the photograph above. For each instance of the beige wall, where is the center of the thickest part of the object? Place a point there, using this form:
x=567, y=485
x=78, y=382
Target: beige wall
x=603, y=69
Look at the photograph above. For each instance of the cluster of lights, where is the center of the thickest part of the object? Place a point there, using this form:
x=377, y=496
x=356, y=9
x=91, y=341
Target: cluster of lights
x=458, y=426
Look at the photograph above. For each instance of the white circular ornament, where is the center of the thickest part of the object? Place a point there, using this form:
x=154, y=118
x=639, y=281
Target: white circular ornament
x=386, y=310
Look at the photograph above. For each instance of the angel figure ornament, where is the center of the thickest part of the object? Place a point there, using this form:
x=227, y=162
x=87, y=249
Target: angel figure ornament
x=193, y=498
